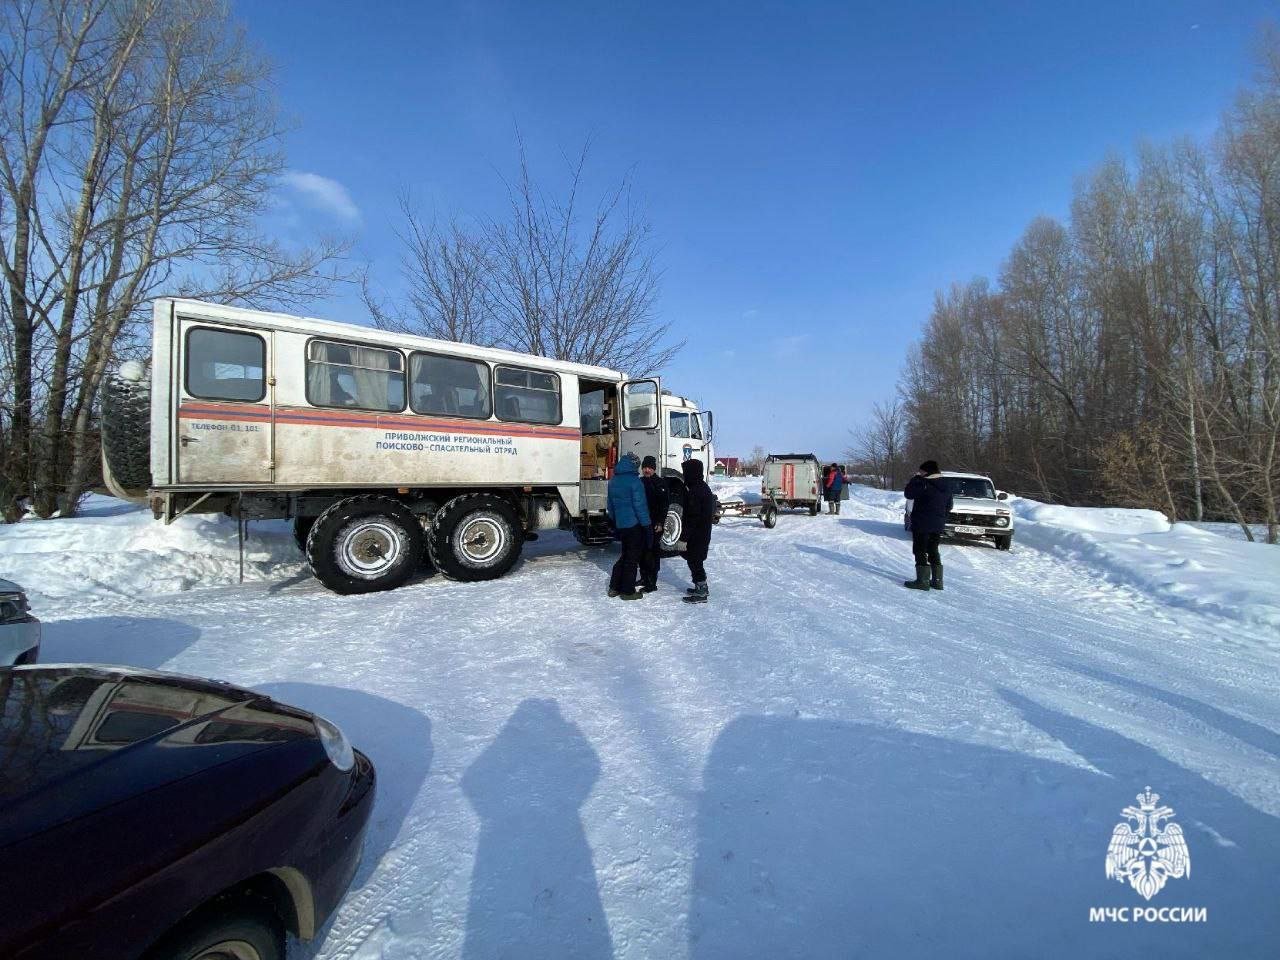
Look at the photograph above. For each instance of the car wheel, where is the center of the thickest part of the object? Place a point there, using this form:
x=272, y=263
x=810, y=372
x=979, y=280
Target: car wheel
x=233, y=932
x=474, y=537
x=1005, y=542
x=365, y=544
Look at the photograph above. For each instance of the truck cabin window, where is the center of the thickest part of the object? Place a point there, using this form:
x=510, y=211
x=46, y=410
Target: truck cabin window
x=969, y=487
x=450, y=386
x=526, y=396
x=222, y=365
x=640, y=405
x=348, y=375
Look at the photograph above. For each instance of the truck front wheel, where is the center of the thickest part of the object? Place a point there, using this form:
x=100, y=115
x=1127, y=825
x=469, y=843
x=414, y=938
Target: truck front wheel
x=476, y=536
x=364, y=544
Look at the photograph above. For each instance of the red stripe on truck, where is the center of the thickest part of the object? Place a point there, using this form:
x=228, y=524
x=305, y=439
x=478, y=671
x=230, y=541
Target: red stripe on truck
x=311, y=416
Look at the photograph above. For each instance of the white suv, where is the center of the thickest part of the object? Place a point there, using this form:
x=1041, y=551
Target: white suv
x=978, y=512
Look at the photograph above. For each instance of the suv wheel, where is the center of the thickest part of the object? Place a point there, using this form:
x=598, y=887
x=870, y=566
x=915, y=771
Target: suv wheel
x=364, y=544
x=476, y=536
x=1004, y=542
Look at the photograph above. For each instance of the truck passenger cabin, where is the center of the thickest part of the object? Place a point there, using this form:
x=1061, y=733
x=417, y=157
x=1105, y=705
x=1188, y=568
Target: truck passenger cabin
x=385, y=449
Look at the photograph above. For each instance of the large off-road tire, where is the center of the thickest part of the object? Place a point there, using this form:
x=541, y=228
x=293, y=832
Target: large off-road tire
x=365, y=544
x=476, y=536
x=126, y=432
x=238, y=930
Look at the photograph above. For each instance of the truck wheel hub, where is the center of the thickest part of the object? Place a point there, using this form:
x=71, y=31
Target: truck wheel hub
x=369, y=549
x=481, y=539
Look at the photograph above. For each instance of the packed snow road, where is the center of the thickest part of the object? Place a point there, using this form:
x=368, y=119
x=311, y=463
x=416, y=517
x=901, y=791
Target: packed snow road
x=817, y=763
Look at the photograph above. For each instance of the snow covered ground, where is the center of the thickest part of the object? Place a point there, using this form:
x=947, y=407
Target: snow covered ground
x=818, y=763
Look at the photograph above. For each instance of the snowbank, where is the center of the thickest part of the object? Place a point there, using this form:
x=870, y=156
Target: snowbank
x=116, y=549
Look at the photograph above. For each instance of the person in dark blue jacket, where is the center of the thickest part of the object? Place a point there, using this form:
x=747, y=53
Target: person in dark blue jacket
x=629, y=511
x=931, y=501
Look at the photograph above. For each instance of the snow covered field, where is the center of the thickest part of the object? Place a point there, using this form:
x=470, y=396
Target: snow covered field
x=818, y=763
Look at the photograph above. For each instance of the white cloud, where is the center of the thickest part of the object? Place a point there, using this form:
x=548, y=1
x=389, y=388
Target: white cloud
x=322, y=193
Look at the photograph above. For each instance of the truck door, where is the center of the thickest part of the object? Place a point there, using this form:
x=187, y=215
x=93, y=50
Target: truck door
x=224, y=419
x=685, y=439
x=641, y=432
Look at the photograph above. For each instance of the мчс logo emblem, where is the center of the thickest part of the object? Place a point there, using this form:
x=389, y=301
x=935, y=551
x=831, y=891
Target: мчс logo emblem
x=1150, y=854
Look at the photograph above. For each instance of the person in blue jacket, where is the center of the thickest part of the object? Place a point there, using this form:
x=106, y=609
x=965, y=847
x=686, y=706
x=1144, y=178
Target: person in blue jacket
x=629, y=510
x=931, y=501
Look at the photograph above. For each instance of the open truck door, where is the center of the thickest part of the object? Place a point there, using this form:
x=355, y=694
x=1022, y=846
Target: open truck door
x=641, y=428
x=224, y=404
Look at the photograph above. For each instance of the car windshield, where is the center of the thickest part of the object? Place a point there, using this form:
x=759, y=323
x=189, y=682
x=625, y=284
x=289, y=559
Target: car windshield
x=970, y=487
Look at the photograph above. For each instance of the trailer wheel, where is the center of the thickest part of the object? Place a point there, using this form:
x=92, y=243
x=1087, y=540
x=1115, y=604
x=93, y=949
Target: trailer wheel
x=364, y=544
x=769, y=517
x=126, y=432
x=476, y=536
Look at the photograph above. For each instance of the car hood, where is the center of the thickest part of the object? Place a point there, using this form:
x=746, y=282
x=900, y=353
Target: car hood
x=8, y=586
x=974, y=505
x=78, y=738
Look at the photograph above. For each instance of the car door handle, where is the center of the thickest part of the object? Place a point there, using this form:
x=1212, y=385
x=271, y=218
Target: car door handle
x=185, y=440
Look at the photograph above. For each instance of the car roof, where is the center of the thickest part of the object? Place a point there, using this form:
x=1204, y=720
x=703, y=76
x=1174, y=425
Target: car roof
x=965, y=476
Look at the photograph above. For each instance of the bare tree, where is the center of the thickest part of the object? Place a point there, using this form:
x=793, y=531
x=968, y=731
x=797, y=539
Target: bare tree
x=553, y=278
x=754, y=464
x=879, y=445
x=137, y=150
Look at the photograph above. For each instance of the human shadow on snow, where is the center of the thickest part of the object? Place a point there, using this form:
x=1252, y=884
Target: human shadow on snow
x=818, y=838
x=146, y=642
x=534, y=892
x=851, y=561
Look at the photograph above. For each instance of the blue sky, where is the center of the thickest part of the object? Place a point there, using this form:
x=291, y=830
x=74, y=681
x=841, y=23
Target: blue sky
x=813, y=173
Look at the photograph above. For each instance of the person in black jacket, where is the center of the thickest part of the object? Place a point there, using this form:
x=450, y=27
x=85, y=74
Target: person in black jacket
x=659, y=500
x=699, y=509
x=931, y=501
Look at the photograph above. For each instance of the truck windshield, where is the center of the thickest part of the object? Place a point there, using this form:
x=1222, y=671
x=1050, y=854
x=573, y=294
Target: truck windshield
x=970, y=487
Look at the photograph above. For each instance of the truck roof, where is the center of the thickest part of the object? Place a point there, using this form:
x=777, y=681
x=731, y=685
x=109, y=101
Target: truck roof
x=793, y=456
x=353, y=331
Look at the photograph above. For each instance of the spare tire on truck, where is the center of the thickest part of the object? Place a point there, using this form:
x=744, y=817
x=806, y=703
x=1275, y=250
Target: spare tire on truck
x=126, y=431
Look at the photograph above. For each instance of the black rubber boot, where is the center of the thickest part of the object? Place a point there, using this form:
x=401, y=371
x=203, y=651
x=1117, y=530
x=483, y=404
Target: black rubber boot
x=699, y=594
x=921, y=582
x=936, y=582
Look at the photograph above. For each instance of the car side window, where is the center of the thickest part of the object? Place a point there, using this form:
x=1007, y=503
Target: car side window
x=225, y=365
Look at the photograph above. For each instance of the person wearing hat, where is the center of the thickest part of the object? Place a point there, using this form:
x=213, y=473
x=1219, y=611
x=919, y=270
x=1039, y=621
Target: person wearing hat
x=931, y=501
x=659, y=501
x=629, y=512
x=699, y=514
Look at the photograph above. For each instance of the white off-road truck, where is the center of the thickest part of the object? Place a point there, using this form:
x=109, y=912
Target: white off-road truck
x=978, y=510
x=384, y=449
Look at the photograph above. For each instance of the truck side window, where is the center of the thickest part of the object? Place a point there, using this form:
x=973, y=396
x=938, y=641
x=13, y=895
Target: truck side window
x=680, y=425
x=222, y=365
x=451, y=386
x=349, y=375
x=526, y=396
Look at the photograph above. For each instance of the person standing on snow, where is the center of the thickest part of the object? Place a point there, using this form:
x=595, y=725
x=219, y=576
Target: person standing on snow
x=659, y=501
x=630, y=515
x=833, y=483
x=931, y=501
x=699, y=510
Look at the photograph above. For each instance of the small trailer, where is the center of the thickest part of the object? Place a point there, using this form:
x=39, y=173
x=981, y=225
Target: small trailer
x=794, y=481
x=766, y=509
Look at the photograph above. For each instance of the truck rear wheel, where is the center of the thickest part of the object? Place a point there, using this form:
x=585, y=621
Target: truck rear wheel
x=476, y=536
x=364, y=544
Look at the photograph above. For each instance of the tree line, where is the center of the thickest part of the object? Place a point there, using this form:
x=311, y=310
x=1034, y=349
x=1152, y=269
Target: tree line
x=1129, y=356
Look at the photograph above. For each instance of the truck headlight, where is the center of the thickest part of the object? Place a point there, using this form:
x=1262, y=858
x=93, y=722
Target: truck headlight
x=336, y=745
